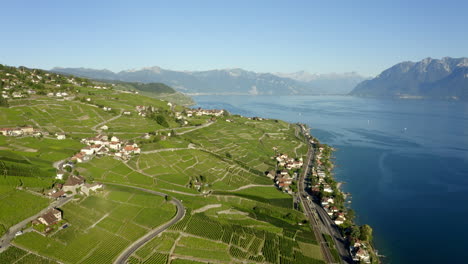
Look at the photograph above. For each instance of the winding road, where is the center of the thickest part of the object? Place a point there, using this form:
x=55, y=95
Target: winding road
x=122, y=258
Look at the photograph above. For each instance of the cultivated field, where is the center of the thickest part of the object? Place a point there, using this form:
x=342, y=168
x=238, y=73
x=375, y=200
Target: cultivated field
x=101, y=226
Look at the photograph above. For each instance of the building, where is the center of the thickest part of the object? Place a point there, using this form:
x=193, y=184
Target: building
x=73, y=183
x=51, y=217
x=59, y=175
x=61, y=136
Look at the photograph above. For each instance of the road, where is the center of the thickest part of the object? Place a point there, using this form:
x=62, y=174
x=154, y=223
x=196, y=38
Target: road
x=209, y=123
x=10, y=235
x=309, y=212
x=319, y=219
x=122, y=258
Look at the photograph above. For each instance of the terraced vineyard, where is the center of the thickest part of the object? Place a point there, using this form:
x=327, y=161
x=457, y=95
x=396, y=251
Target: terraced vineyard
x=214, y=165
x=202, y=238
x=101, y=226
x=16, y=255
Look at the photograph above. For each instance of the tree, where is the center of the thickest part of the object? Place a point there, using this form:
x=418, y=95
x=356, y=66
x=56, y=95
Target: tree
x=350, y=214
x=3, y=102
x=354, y=232
x=366, y=233
x=160, y=119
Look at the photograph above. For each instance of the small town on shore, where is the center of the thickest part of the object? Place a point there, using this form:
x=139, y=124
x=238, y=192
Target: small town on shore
x=325, y=192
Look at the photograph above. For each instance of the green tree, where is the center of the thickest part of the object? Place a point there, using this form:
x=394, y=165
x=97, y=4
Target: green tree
x=366, y=233
x=354, y=232
x=3, y=102
x=160, y=119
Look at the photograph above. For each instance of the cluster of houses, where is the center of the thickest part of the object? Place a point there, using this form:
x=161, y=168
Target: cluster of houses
x=288, y=163
x=20, y=131
x=101, y=145
x=327, y=201
x=27, y=131
x=74, y=184
x=16, y=87
x=359, y=252
x=282, y=178
x=202, y=112
x=144, y=110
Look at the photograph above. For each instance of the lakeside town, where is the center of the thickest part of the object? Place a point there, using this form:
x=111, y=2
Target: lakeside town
x=326, y=193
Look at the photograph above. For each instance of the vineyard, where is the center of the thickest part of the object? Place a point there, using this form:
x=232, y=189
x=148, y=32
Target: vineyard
x=16, y=205
x=101, y=226
x=16, y=255
x=203, y=237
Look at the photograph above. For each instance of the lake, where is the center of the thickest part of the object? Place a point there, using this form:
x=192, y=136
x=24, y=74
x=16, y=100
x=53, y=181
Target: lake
x=405, y=163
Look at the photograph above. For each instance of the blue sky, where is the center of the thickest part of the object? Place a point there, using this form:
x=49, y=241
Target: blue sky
x=263, y=36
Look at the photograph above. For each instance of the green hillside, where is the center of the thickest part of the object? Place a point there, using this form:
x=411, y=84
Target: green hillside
x=213, y=162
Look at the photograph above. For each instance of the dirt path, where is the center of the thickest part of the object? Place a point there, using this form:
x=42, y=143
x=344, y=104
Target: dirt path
x=205, y=208
x=250, y=186
x=196, y=128
x=162, y=150
x=295, y=149
x=106, y=121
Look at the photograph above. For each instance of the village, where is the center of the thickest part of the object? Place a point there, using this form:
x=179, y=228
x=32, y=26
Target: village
x=287, y=173
x=325, y=189
x=101, y=145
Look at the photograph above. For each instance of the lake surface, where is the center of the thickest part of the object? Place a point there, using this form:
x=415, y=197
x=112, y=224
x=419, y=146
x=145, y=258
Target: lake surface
x=404, y=161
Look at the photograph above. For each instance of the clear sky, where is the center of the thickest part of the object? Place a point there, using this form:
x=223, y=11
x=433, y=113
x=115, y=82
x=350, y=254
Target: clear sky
x=263, y=36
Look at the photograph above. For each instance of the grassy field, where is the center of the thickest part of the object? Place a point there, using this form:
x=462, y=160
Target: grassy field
x=101, y=226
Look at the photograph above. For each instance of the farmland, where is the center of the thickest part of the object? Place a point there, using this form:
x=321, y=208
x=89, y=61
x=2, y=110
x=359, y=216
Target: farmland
x=101, y=226
x=16, y=205
x=201, y=238
x=214, y=165
x=16, y=255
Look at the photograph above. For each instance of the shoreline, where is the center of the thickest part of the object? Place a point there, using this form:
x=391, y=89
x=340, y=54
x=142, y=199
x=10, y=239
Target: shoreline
x=327, y=194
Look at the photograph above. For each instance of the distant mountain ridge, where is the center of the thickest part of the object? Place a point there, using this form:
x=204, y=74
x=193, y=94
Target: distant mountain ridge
x=446, y=78
x=229, y=81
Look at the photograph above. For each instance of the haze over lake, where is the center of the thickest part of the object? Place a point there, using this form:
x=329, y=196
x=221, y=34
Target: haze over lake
x=404, y=161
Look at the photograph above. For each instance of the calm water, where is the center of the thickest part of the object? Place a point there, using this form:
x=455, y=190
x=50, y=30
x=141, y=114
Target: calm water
x=404, y=161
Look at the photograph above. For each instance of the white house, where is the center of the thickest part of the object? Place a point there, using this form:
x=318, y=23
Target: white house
x=60, y=136
x=115, y=145
x=87, y=150
x=59, y=175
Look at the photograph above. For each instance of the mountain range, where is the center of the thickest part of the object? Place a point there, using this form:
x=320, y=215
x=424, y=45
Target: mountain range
x=230, y=81
x=446, y=78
